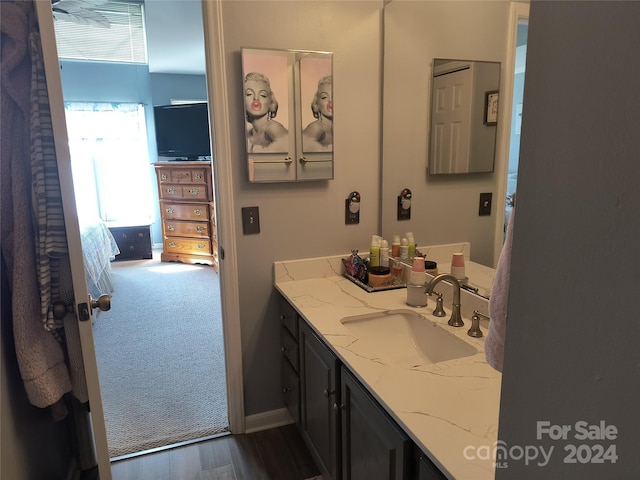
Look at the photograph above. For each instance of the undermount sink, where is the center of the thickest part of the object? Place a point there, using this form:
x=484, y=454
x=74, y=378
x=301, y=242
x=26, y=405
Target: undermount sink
x=404, y=338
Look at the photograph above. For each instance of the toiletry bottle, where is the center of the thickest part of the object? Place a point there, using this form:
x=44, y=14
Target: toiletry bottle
x=404, y=250
x=412, y=245
x=374, y=252
x=395, y=246
x=384, y=253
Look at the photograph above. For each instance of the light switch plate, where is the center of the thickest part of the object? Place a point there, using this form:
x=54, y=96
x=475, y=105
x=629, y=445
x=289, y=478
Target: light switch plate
x=250, y=220
x=485, y=204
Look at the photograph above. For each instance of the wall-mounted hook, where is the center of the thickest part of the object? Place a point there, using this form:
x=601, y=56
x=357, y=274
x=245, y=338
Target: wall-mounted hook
x=352, y=209
x=404, y=204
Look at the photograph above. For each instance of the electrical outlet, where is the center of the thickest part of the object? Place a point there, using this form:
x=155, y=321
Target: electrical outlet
x=403, y=213
x=485, y=204
x=250, y=220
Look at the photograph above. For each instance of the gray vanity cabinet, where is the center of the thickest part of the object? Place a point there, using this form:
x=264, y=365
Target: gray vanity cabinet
x=349, y=435
x=373, y=446
x=319, y=388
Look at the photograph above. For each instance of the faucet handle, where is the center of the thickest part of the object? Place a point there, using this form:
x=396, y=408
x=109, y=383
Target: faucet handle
x=439, y=310
x=475, y=331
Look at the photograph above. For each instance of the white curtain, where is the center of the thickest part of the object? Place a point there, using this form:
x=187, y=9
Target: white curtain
x=110, y=162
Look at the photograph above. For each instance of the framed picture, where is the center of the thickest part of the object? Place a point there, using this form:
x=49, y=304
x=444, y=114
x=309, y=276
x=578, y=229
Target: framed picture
x=491, y=107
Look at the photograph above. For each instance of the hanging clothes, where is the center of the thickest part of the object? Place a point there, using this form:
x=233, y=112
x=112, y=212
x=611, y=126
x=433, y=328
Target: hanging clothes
x=40, y=356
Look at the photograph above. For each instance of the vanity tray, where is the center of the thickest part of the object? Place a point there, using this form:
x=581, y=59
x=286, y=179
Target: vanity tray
x=370, y=289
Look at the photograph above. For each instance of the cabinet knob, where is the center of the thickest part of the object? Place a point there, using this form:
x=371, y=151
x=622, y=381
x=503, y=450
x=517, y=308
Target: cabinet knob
x=328, y=391
x=283, y=349
x=285, y=390
x=337, y=407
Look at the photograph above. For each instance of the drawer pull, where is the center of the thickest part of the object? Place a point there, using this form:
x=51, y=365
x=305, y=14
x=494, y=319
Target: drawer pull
x=169, y=210
x=198, y=176
x=164, y=176
x=173, y=244
x=140, y=235
x=124, y=236
x=171, y=191
x=197, y=212
x=171, y=228
x=132, y=248
x=201, y=245
x=199, y=229
x=194, y=191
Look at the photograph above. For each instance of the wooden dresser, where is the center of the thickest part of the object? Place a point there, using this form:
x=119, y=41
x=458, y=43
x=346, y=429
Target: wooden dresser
x=188, y=214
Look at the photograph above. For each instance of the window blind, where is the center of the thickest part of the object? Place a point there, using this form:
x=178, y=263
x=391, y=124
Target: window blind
x=100, y=31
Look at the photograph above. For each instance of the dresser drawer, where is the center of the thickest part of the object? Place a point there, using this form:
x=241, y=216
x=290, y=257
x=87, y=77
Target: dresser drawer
x=187, y=245
x=177, y=211
x=183, y=175
x=133, y=242
x=186, y=229
x=184, y=192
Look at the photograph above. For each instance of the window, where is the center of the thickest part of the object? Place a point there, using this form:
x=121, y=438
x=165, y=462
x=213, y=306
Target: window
x=100, y=31
x=110, y=162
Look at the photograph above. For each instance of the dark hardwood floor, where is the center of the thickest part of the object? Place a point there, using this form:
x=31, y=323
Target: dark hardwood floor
x=275, y=454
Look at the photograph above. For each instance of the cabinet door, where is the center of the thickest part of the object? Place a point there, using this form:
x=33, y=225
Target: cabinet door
x=320, y=398
x=373, y=446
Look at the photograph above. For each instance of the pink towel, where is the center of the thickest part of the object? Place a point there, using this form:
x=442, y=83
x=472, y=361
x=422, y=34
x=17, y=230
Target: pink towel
x=494, y=343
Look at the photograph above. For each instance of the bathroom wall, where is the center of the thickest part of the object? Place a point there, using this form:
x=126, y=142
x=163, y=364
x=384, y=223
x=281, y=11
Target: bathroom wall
x=572, y=349
x=300, y=220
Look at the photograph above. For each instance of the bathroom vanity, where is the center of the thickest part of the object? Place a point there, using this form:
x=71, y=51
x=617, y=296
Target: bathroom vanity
x=361, y=406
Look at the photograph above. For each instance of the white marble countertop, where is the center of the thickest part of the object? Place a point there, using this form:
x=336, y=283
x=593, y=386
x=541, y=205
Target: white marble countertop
x=449, y=409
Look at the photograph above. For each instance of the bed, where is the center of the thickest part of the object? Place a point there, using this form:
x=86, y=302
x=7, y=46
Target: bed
x=99, y=248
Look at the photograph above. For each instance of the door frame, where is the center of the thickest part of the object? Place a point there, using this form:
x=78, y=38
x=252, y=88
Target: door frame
x=518, y=11
x=216, y=69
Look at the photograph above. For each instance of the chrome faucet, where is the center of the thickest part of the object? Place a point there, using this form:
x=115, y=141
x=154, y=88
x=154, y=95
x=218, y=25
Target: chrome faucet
x=456, y=318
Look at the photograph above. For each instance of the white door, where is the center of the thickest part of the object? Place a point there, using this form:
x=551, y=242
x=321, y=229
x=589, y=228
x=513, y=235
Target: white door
x=450, y=122
x=54, y=86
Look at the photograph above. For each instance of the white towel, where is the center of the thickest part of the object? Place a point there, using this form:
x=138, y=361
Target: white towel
x=494, y=343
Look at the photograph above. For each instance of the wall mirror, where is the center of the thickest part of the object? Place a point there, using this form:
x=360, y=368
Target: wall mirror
x=464, y=110
x=288, y=105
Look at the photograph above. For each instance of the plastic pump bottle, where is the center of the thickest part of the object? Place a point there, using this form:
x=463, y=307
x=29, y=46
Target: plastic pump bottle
x=374, y=252
x=384, y=253
x=404, y=250
x=395, y=246
x=412, y=245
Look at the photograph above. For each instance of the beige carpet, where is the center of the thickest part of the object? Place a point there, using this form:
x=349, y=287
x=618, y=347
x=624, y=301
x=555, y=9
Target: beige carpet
x=160, y=356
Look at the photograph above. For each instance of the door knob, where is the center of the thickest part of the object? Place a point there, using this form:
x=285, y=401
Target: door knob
x=103, y=302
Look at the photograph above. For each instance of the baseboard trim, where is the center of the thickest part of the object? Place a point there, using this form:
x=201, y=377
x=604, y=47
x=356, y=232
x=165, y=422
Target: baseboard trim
x=267, y=420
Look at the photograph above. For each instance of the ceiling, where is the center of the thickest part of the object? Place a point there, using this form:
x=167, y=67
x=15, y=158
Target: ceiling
x=175, y=36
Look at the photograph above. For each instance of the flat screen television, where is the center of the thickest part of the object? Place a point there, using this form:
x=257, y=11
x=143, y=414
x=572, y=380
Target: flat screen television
x=182, y=131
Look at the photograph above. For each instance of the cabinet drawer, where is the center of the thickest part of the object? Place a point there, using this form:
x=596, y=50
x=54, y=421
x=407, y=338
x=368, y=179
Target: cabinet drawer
x=291, y=390
x=290, y=348
x=187, y=245
x=183, y=175
x=186, y=229
x=176, y=211
x=184, y=192
x=289, y=317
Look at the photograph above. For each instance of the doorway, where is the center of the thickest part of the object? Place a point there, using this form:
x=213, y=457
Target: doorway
x=119, y=83
x=516, y=116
